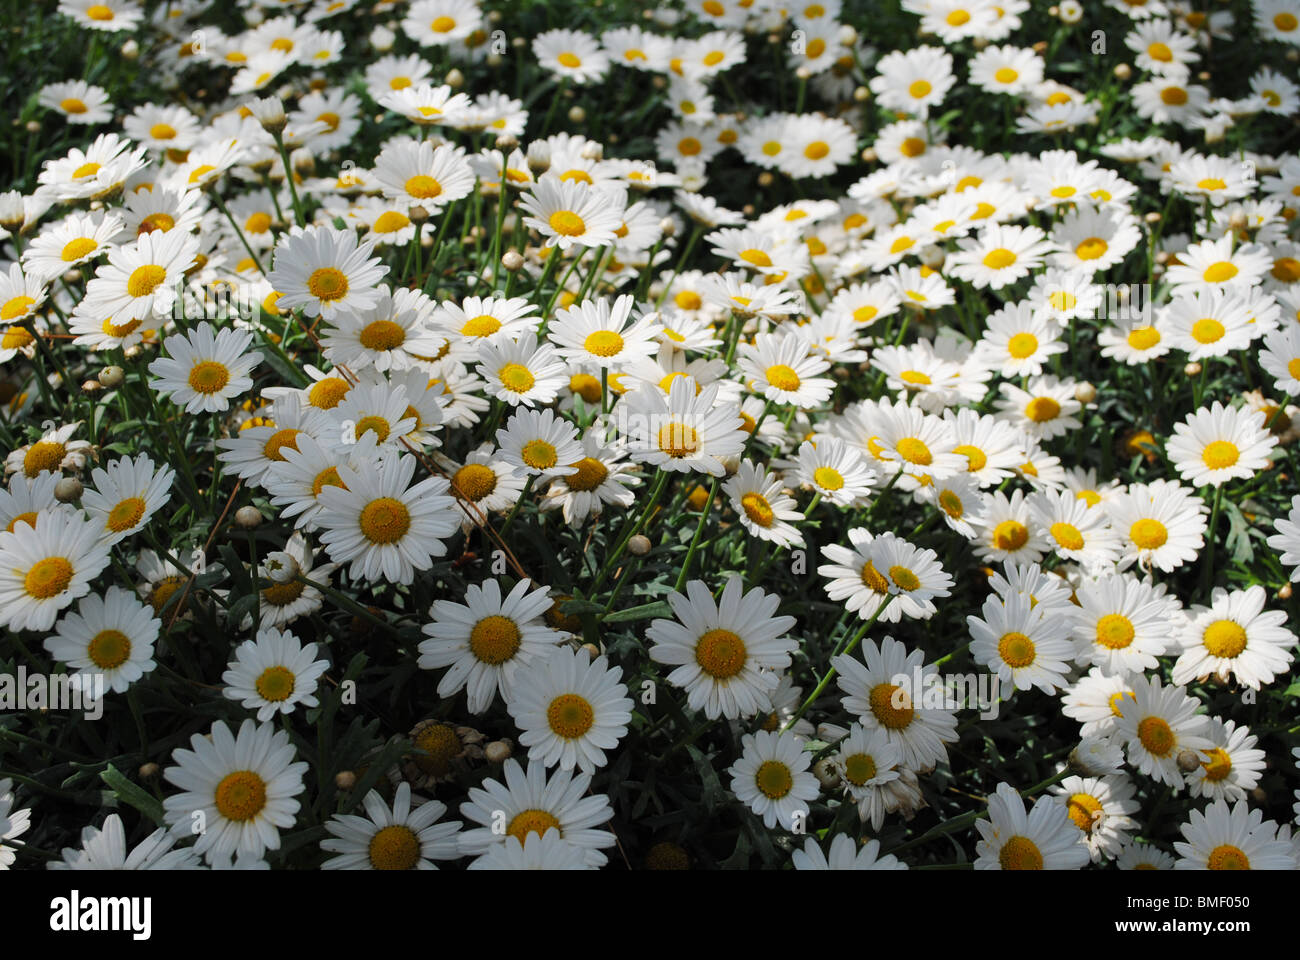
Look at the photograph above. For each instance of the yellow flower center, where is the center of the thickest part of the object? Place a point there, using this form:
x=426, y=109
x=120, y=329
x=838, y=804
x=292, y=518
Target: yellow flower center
x=328, y=284
x=1286, y=22
x=208, y=377
x=1067, y=535
x=1006, y=75
x=1115, y=631
x=48, y=578
x=276, y=442
x=145, y=280
x=283, y=594
x=1224, y=638
x=275, y=684
x=951, y=504
x=125, y=515
x=1091, y=249
x=585, y=386
x=440, y=745
x=1220, y=454
x=390, y=221
x=1042, y=409
x=1220, y=272
x=918, y=89
x=28, y=518
x=859, y=769
x=422, y=186
x=1020, y=853
x=782, y=377
x=999, y=258
x=109, y=649
x=1211, y=183
x=757, y=509
x=1085, y=810
x=1161, y=52
x=329, y=477
x=828, y=478
x=531, y=821
x=538, y=454
x=1016, y=650
x=570, y=60
x=1143, y=338
x=904, y=578
x=1226, y=856
x=99, y=11
x=720, y=653
x=85, y=170
x=43, y=455
x=603, y=343
x=773, y=779
x=882, y=699
x=395, y=847
x=1010, y=535
x=1148, y=534
x=1063, y=300
x=570, y=716
x=1022, y=345
x=78, y=248
x=567, y=223
x=816, y=150
x=678, y=440
x=516, y=378
x=1173, y=96
x=914, y=451
x=385, y=520
x=241, y=796
x=443, y=25
x=1156, y=736
x=591, y=474
x=495, y=639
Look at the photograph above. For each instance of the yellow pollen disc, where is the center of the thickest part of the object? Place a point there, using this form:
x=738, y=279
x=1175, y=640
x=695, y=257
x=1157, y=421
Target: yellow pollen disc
x=828, y=478
x=16, y=338
x=1116, y=699
x=42, y=455
x=531, y=821
x=325, y=394
x=570, y=716
x=1161, y=52
x=882, y=698
x=422, y=186
x=1219, y=766
x=951, y=504
x=755, y=256
x=1224, y=638
x=1091, y=249
x=99, y=11
x=957, y=18
x=1010, y=535
x=85, y=170
x=1220, y=272
x=495, y=639
x=73, y=105
x=1016, y=650
x=329, y=477
x=1085, y=810
x=199, y=172
x=679, y=440
x=275, y=684
x=591, y=474
x=328, y=284
x=904, y=578
x=999, y=258
x=570, y=60
x=919, y=88
x=156, y=221
x=258, y=222
x=28, y=518
x=567, y=223
x=757, y=509
x=382, y=335
x=241, y=795
x=1067, y=535
x=914, y=451
x=1220, y=454
x=283, y=594
x=1020, y=853
x=912, y=147
x=1143, y=338
x=1207, y=330
x=163, y=591
x=816, y=150
x=276, y=442
x=443, y=25
x=773, y=779
x=516, y=378
x=1211, y=183
x=538, y=454
x=1227, y=857
x=1173, y=96
x=1156, y=736
x=585, y=386
x=384, y=520
x=1022, y=345
x=390, y=221
x=1148, y=534
x=1042, y=409
x=1286, y=22
x=1115, y=631
x=720, y=653
x=1063, y=300
x=440, y=745
x=603, y=343
x=145, y=280
x=125, y=515
x=782, y=377
x=109, y=649
x=859, y=769
x=977, y=457
x=687, y=147
x=484, y=325
x=1090, y=497
x=901, y=244
x=395, y=847
x=1286, y=269
x=1006, y=75
x=208, y=377
x=78, y=248
x=915, y=378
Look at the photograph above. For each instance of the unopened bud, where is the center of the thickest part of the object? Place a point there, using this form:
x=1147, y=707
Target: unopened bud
x=1285, y=592
x=345, y=779
x=668, y=226
x=765, y=179
x=1193, y=369
x=1122, y=71
x=455, y=79
x=112, y=377
x=639, y=545
x=861, y=94
x=577, y=114
x=826, y=773
x=130, y=50
x=68, y=489
x=507, y=141
x=591, y=650
x=148, y=771
x=512, y=260
x=91, y=386
x=1188, y=761
x=304, y=164
x=246, y=518
x=498, y=751
x=1085, y=392
x=417, y=213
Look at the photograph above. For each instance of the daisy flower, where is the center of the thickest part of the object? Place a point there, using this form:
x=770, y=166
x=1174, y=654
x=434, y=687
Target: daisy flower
x=391, y=838
x=521, y=372
x=783, y=370
x=1122, y=624
x=204, y=369
x=1075, y=531
x=547, y=851
x=79, y=102
x=109, y=637
x=326, y=272
x=571, y=55
x=1209, y=323
x=126, y=494
x=393, y=333
x=13, y=823
x=844, y=855
x=419, y=174
x=1215, y=445
x=571, y=213
x=1160, y=524
x=106, y=15
x=1017, y=340
x=140, y=279
x=538, y=443
x=54, y=452
x=440, y=23
x=1094, y=701
x=726, y=654
x=867, y=762
x=77, y=239
x=1212, y=265
x=240, y=787
x=1158, y=725
x=1233, y=766
x=104, y=848
x=1045, y=409
x=1000, y=255
x=1137, y=855
x=689, y=430
x=273, y=673
x=1010, y=530
x=381, y=523
x=772, y=778
x=1234, y=636
x=570, y=709
x=46, y=566
x=602, y=477
x=1043, y=839
x=1135, y=340
x=1021, y=644
x=836, y=471
x=1100, y=808
x=1286, y=541
x=487, y=640
x=879, y=693
x=1280, y=358
x=593, y=332
x=763, y=508
x=913, y=81
x=1232, y=838
x=991, y=446
x=529, y=803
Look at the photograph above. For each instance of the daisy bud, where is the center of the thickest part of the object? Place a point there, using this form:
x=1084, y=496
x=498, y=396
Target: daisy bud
x=1238, y=220
x=519, y=42
x=847, y=36
x=980, y=42
x=382, y=39
x=1085, y=392
x=1096, y=757
x=1188, y=761
x=269, y=112
x=112, y=377
x=1122, y=71
x=33, y=126
x=345, y=779
x=130, y=50
x=417, y=213
x=765, y=179
x=577, y=114
x=667, y=226
x=246, y=518
x=861, y=94
x=1162, y=258
x=1053, y=11
x=512, y=260
x=1193, y=369
x=591, y=650
x=68, y=489
x=253, y=16
x=1285, y=592
x=498, y=751
x=748, y=210
x=802, y=73
x=12, y=212
x=91, y=386
x=455, y=79
x=1293, y=56
x=1040, y=47
x=639, y=545
x=869, y=155
x=304, y=164
x=281, y=567
x=658, y=82
x=825, y=772
x=148, y=771
x=1259, y=795
x=1204, y=75
x=667, y=856
x=507, y=141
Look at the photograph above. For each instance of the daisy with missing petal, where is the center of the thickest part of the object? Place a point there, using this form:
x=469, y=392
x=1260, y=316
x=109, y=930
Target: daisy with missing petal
x=109, y=637
x=880, y=693
x=326, y=272
x=204, y=369
x=532, y=803
x=1233, y=766
x=1122, y=624
x=570, y=213
x=1232, y=838
x=727, y=654
x=1158, y=725
x=381, y=523
x=570, y=709
x=487, y=640
x=273, y=673
x=783, y=370
x=1215, y=445
x=772, y=778
x=689, y=430
x=1286, y=541
x=415, y=173
x=1100, y=808
x=603, y=476
x=1043, y=839
x=765, y=511
x=1160, y=524
x=1095, y=701
x=244, y=787
x=1021, y=644
x=126, y=493
x=46, y=566
x=391, y=838
x=140, y=279
x=1234, y=636
x=866, y=763
x=836, y=471
x=104, y=848
x=844, y=855
x=593, y=332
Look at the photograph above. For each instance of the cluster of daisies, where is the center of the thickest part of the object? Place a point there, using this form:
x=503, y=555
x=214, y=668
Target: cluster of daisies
x=449, y=324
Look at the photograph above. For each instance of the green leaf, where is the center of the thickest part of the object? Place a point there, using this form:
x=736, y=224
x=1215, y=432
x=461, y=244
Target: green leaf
x=658, y=608
x=133, y=794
